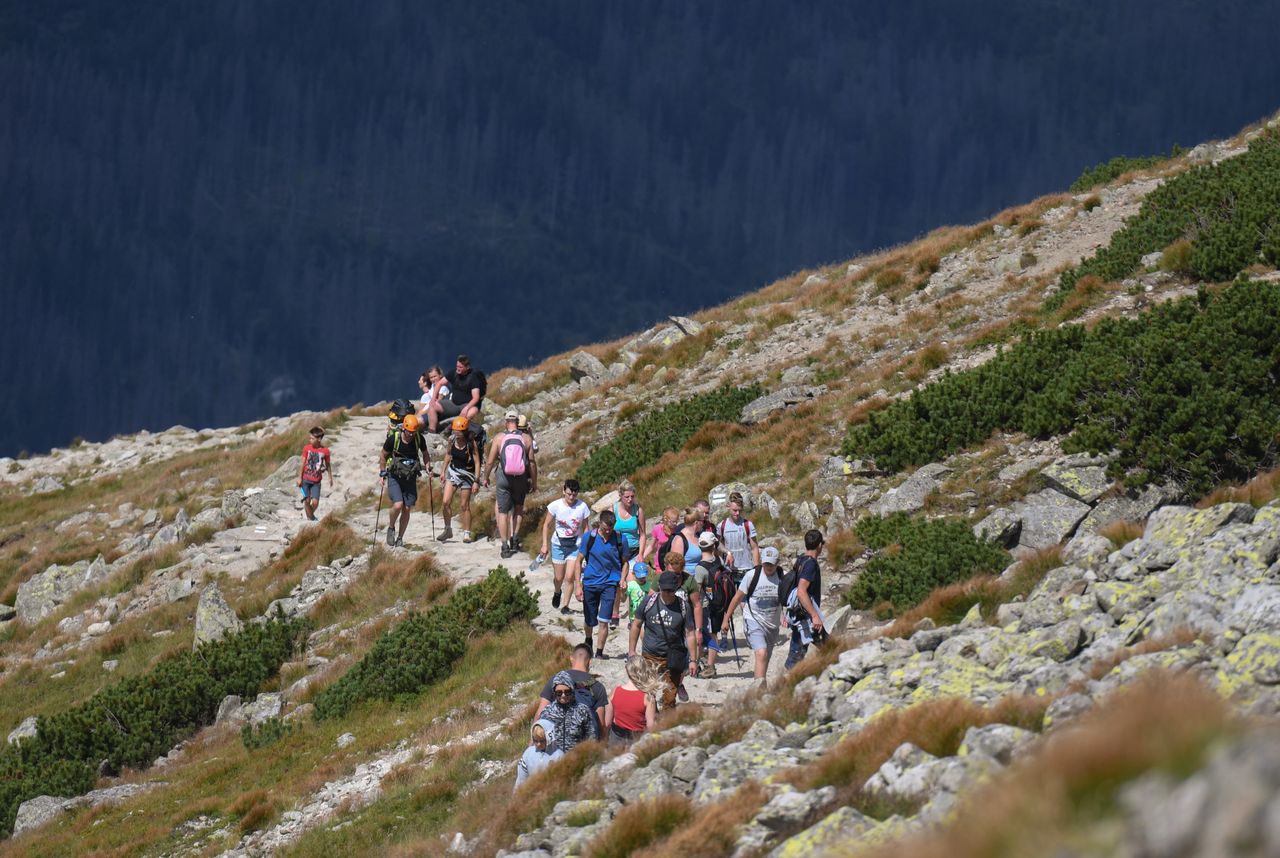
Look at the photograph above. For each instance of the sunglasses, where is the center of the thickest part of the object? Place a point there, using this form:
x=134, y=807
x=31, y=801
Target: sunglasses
x=564, y=693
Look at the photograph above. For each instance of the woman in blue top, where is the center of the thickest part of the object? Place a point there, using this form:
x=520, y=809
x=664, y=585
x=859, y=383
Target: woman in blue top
x=630, y=527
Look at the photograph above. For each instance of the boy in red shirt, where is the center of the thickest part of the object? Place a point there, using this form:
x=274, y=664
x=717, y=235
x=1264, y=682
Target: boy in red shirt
x=315, y=463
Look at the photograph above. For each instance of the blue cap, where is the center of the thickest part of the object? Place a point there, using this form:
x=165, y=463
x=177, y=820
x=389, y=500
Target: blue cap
x=640, y=570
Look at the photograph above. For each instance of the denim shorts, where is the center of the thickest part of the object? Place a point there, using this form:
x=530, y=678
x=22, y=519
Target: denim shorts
x=311, y=490
x=563, y=549
x=597, y=604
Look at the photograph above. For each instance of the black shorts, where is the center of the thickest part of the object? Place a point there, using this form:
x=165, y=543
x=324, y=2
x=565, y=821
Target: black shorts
x=511, y=492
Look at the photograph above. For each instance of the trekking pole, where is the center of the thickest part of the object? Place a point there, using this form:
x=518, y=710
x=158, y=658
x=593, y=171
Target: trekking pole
x=734, y=637
x=378, y=515
x=431, y=493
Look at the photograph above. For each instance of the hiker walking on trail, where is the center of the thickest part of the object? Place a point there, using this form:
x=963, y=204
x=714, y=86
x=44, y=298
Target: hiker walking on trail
x=629, y=523
x=522, y=426
x=517, y=476
x=685, y=540
x=804, y=600
x=538, y=755
x=704, y=524
x=639, y=585
x=580, y=672
x=738, y=537
x=461, y=477
x=568, y=515
x=667, y=624
x=633, y=706
x=603, y=563
x=467, y=387
x=662, y=533
x=399, y=461
x=715, y=588
x=434, y=389
x=571, y=718
x=316, y=462
x=758, y=594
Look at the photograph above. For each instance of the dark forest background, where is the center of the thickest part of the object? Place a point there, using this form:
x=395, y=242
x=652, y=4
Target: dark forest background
x=222, y=210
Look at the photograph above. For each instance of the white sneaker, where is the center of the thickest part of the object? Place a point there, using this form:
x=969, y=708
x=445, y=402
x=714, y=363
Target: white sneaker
x=466, y=536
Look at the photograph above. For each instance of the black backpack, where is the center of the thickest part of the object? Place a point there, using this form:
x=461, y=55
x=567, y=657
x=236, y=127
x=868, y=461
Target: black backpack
x=789, y=581
x=665, y=549
x=721, y=587
x=582, y=694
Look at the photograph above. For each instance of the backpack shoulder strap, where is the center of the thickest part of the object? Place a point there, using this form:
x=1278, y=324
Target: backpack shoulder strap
x=586, y=555
x=755, y=580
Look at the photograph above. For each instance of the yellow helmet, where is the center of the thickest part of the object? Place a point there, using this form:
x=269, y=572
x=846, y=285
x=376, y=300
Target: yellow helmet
x=411, y=423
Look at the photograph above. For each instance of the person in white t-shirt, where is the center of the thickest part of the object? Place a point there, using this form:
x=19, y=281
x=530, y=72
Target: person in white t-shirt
x=762, y=612
x=434, y=388
x=568, y=516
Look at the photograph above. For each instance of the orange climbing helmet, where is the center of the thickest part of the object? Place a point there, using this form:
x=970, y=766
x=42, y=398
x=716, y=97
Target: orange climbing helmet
x=412, y=423
x=459, y=424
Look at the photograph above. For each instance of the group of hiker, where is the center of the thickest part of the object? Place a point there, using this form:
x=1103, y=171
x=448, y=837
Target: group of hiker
x=670, y=626
x=678, y=585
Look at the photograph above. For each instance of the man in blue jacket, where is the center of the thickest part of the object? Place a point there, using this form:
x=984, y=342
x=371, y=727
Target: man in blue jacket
x=603, y=561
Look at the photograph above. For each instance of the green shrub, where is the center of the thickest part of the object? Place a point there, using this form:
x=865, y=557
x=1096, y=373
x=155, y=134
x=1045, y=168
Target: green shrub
x=1100, y=174
x=270, y=731
x=1186, y=392
x=1225, y=210
x=662, y=431
x=915, y=557
x=141, y=717
x=423, y=649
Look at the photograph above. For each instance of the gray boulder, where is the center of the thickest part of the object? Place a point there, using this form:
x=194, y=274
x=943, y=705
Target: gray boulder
x=1048, y=517
x=586, y=365
x=792, y=807
x=910, y=495
x=1002, y=526
x=1133, y=505
x=35, y=812
x=1087, y=550
x=41, y=594
x=214, y=617
x=759, y=409
x=46, y=485
x=832, y=836
x=1083, y=482
x=805, y=514
x=25, y=730
x=1000, y=742
x=832, y=477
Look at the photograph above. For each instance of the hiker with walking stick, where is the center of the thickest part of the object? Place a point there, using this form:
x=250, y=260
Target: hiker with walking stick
x=399, y=461
x=762, y=610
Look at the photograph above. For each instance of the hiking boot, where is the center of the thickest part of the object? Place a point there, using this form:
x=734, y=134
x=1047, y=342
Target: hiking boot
x=399, y=542
x=391, y=535
x=565, y=610
x=447, y=533
x=613, y=624
x=707, y=673
x=600, y=654
x=555, y=599
x=466, y=536
x=505, y=552
x=682, y=694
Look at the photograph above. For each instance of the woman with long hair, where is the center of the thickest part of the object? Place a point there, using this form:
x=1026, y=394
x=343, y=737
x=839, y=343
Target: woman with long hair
x=633, y=705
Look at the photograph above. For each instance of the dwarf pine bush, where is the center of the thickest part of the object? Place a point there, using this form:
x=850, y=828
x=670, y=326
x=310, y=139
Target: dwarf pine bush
x=663, y=430
x=915, y=557
x=1187, y=392
x=423, y=649
x=141, y=717
x=1226, y=210
x=1100, y=174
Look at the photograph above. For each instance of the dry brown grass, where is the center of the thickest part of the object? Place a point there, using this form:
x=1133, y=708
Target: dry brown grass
x=947, y=605
x=1162, y=722
x=844, y=547
x=1087, y=292
x=1121, y=533
x=936, y=726
x=713, y=831
x=1259, y=491
x=537, y=796
x=1177, y=638
x=639, y=824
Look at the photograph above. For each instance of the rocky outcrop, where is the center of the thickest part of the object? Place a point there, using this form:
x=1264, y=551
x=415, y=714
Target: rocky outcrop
x=214, y=617
x=40, y=595
x=1211, y=571
x=759, y=409
x=35, y=812
x=910, y=494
